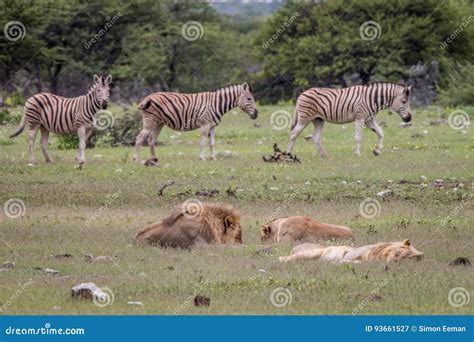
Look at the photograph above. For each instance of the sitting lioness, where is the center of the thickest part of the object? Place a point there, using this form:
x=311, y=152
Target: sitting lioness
x=382, y=251
x=198, y=223
x=303, y=229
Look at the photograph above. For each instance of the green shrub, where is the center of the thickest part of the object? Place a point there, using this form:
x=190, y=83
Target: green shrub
x=459, y=90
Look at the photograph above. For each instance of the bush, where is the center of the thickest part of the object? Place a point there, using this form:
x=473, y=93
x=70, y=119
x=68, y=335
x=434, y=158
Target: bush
x=127, y=124
x=459, y=89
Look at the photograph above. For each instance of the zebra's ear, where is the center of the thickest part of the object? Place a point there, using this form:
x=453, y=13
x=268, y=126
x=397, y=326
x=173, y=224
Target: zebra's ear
x=108, y=80
x=247, y=87
x=96, y=79
x=408, y=90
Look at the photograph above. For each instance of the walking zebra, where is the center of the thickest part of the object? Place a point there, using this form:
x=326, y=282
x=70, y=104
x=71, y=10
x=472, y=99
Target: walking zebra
x=359, y=103
x=187, y=112
x=62, y=115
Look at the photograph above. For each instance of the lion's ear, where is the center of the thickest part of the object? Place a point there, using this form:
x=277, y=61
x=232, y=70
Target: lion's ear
x=406, y=242
x=267, y=229
x=228, y=222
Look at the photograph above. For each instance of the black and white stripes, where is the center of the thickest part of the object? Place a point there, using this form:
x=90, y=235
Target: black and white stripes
x=62, y=115
x=358, y=103
x=186, y=112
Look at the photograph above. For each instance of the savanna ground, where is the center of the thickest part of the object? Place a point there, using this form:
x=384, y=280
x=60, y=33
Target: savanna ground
x=61, y=200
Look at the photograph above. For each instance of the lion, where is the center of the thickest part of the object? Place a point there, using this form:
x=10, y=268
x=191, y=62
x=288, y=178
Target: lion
x=302, y=228
x=382, y=251
x=194, y=223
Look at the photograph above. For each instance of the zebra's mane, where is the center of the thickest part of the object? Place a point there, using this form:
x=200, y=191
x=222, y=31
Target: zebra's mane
x=383, y=82
x=225, y=87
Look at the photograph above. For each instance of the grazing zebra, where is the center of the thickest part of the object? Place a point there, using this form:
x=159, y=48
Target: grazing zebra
x=358, y=103
x=62, y=115
x=186, y=112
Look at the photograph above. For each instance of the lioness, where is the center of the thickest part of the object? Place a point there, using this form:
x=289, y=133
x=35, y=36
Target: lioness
x=302, y=228
x=195, y=223
x=382, y=251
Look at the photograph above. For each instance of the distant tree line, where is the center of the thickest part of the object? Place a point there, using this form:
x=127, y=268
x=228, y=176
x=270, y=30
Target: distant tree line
x=190, y=46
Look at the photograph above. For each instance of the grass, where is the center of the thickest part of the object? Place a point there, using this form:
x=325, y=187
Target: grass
x=61, y=200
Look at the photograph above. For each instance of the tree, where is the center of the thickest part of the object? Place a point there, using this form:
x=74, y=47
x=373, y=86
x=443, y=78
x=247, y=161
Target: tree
x=328, y=41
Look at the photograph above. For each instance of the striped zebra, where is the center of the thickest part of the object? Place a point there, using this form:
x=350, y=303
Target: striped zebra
x=62, y=115
x=358, y=103
x=186, y=112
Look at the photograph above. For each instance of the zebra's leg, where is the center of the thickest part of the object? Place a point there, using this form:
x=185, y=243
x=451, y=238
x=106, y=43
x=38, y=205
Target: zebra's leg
x=81, y=132
x=148, y=126
x=212, y=142
x=152, y=140
x=318, y=130
x=377, y=130
x=359, y=124
x=31, y=143
x=44, y=144
x=205, y=131
x=295, y=132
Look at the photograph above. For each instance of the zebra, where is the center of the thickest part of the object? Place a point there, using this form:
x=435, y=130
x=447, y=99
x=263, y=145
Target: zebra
x=51, y=113
x=358, y=103
x=186, y=112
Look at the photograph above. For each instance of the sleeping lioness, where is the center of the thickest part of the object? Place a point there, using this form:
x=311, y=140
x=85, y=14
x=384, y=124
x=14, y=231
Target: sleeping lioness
x=302, y=229
x=382, y=251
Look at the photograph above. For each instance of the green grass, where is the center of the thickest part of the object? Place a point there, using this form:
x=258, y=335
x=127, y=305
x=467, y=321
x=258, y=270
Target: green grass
x=60, y=199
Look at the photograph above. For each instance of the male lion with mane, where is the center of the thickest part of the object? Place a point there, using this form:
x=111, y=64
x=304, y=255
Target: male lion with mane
x=303, y=229
x=382, y=251
x=192, y=224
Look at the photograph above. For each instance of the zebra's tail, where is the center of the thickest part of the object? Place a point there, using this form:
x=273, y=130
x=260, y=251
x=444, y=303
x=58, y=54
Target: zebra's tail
x=144, y=104
x=295, y=118
x=20, y=127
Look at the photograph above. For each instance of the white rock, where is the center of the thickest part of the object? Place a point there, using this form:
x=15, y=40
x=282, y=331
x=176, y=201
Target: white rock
x=8, y=265
x=425, y=132
x=390, y=181
x=359, y=182
x=88, y=291
x=50, y=271
x=423, y=178
x=140, y=304
x=261, y=271
x=344, y=183
x=385, y=193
